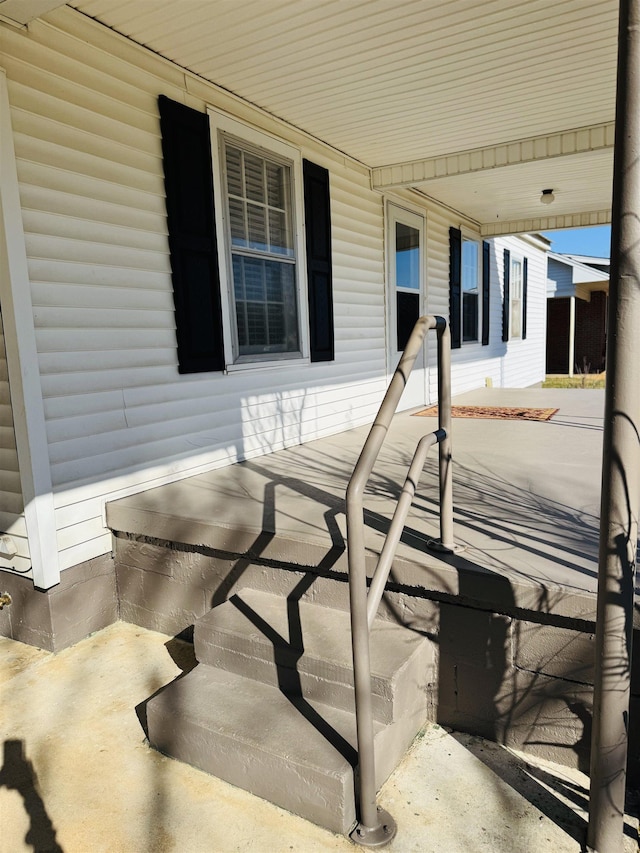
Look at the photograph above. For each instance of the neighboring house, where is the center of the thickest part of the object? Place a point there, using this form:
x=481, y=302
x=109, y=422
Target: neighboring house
x=188, y=282
x=577, y=303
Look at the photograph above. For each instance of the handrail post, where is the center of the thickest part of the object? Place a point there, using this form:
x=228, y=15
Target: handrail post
x=444, y=423
x=376, y=827
x=373, y=827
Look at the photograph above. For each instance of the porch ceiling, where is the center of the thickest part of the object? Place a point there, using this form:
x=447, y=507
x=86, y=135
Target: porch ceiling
x=506, y=84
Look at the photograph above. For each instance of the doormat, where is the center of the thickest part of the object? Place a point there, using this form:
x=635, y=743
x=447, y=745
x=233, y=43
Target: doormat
x=502, y=413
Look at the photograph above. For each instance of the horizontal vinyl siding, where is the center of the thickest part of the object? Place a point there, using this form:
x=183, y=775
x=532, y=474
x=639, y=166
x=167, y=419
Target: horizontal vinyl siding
x=473, y=364
x=560, y=277
x=119, y=417
x=12, y=519
x=524, y=362
x=511, y=364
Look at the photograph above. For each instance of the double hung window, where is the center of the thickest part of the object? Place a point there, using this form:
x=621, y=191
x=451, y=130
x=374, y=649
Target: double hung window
x=514, y=304
x=259, y=204
x=250, y=241
x=470, y=290
x=515, y=293
x=259, y=216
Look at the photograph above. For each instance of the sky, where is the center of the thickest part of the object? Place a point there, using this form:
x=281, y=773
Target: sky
x=594, y=241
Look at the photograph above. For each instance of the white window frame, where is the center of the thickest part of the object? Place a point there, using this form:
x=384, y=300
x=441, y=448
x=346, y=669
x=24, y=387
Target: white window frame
x=224, y=127
x=515, y=302
x=467, y=238
x=397, y=210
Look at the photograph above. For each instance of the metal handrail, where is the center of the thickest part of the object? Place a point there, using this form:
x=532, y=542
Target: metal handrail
x=376, y=827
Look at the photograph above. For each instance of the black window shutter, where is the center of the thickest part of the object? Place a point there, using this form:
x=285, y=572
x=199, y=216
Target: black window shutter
x=317, y=211
x=455, y=287
x=186, y=151
x=505, y=295
x=525, y=265
x=486, y=301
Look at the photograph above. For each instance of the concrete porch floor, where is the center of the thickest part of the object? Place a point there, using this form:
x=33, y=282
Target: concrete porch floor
x=77, y=776
x=76, y=773
x=526, y=504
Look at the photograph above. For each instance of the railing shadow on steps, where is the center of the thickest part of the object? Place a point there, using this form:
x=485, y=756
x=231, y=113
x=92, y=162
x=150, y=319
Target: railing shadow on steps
x=287, y=654
x=375, y=826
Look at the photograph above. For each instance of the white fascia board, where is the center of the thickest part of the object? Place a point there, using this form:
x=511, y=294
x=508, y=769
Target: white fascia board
x=587, y=275
x=531, y=150
x=545, y=223
x=537, y=240
x=22, y=364
x=588, y=260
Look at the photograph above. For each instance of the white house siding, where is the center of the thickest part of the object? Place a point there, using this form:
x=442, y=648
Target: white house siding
x=515, y=363
x=523, y=363
x=119, y=416
x=560, y=279
x=12, y=519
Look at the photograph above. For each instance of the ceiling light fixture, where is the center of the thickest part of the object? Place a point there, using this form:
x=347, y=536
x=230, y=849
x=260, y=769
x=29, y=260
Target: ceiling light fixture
x=547, y=196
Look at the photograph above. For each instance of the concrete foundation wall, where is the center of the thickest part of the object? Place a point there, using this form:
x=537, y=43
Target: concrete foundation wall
x=519, y=683
x=520, y=678
x=84, y=601
x=166, y=587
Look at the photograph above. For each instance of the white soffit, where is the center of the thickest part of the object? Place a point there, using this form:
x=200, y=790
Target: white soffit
x=23, y=11
x=580, y=183
x=399, y=81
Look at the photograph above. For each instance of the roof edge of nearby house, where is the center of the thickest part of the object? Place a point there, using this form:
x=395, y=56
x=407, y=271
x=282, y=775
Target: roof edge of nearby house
x=583, y=272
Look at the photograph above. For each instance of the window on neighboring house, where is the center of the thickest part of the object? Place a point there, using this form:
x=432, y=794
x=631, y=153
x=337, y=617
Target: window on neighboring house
x=469, y=289
x=514, y=305
x=259, y=215
x=235, y=203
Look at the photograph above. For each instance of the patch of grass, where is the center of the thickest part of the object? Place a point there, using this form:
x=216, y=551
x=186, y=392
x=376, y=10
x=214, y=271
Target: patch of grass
x=582, y=380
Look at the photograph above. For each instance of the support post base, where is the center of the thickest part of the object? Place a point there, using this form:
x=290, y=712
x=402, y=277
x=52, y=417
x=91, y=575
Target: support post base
x=375, y=836
x=444, y=548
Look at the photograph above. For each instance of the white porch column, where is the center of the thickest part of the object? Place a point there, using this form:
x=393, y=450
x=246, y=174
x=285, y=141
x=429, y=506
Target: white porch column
x=620, y=464
x=572, y=334
x=22, y=363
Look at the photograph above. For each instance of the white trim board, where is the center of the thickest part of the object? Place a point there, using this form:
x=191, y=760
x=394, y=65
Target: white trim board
x=22, y=364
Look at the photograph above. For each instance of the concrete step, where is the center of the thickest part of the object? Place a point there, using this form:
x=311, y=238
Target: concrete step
x=296, y=753
x=305, y=648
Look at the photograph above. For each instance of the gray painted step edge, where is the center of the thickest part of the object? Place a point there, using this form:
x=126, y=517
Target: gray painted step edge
x=251, y=735
x=258, y=634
